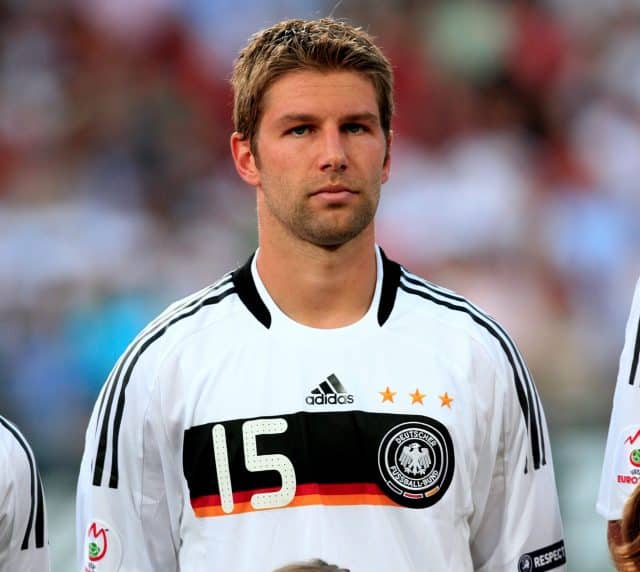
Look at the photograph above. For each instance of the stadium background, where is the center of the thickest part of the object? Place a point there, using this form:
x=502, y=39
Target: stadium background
x=515, y=182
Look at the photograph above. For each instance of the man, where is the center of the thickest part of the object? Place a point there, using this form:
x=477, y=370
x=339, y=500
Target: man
x=621, y=469
x=23, y=527
x=320, y=400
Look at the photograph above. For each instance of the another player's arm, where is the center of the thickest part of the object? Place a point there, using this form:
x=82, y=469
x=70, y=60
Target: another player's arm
x=625, y=421
x=24, y=544
x=126, y=503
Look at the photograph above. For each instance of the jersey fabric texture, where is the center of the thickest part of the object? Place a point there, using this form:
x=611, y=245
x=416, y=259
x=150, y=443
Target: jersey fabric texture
x=621, y=468
x=230, y=437
x=23, y=533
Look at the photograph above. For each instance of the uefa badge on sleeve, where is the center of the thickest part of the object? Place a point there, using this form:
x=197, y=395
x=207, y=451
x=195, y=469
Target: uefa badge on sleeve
x=103, y=549
x=628, y=458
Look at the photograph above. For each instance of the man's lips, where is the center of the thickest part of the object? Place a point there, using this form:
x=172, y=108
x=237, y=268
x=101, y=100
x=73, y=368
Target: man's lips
x=337, y=191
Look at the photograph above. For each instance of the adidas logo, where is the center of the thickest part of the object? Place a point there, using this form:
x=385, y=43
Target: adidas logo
x=330, y=392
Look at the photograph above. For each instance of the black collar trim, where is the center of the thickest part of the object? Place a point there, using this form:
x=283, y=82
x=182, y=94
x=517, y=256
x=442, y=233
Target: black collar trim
x=390, y=283
x=248, y=293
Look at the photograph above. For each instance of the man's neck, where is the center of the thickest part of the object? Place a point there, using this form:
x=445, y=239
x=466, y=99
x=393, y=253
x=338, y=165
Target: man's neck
x=320, y=287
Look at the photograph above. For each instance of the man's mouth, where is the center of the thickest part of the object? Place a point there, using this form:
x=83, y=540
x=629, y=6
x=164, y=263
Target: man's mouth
x=334, y=192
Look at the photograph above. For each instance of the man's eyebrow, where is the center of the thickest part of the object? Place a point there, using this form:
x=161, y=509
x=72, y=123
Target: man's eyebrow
x=365, y=116
x=297, y=118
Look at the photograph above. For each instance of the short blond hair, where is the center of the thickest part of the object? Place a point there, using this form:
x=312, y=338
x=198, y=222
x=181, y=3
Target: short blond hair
x=316, y=565
x=293, y=45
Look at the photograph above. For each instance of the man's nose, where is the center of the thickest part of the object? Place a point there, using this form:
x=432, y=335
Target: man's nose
x=333, y=155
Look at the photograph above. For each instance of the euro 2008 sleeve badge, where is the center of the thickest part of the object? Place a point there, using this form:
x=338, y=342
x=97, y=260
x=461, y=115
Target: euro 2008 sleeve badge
x=103, y=550
x=416, y=462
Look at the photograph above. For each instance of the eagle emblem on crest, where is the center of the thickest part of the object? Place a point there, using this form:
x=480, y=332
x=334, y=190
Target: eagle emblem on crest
x=415, y=459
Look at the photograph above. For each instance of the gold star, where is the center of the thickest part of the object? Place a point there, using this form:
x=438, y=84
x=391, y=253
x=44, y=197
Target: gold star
x=417, y=397
x=446, y=400
x=387, y=394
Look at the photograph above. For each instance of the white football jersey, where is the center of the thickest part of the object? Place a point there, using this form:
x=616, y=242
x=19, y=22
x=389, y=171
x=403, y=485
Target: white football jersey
x=621, y=468
x=24, y=545
x=230, y=437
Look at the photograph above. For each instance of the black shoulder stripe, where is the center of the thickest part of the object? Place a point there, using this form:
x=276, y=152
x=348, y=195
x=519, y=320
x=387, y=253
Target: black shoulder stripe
x=636, y=355
x=37, y=506
x=525, y=389
x=109, y=386
x=163, y=317
x=112, y=381
x=530, y=403
x=153, y=332
x=40, y=515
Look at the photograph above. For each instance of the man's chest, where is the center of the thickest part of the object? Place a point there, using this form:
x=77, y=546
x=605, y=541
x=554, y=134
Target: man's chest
x=272, y=427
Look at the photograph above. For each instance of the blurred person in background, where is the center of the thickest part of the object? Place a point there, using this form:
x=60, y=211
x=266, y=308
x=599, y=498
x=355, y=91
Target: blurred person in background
x=621, y=468
x=378, y=416
x=24, y=543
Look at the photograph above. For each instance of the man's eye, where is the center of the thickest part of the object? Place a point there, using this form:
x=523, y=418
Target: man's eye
x=299, y=130
x=354, y=128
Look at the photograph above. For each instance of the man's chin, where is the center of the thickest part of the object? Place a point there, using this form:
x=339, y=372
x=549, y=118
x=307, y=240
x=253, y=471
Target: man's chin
x=332, y=239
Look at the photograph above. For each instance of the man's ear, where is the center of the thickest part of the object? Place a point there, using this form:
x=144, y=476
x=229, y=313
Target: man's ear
x=244, y=159
x=386, y=166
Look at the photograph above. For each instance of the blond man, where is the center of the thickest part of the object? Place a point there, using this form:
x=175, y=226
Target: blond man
x=320, y=400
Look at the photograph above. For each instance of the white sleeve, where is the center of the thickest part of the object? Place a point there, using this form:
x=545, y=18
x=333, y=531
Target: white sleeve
x=517, y=523
x=122, y=510
x=621, y=467
x=24, y=544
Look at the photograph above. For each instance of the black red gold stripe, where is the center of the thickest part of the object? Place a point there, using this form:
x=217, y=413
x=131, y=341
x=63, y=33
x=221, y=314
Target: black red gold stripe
x=335, y=456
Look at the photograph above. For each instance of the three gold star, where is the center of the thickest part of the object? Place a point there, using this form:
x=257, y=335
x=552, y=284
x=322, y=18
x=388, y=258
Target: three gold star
x=446, y=400
x=417, y=397
x=387, y=394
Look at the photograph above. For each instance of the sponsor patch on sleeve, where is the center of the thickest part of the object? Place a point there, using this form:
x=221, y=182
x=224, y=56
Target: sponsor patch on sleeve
x=546, y=558
x=627, y=459
x=103, y=549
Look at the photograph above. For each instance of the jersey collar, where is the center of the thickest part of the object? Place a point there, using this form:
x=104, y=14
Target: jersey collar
x=245, y=285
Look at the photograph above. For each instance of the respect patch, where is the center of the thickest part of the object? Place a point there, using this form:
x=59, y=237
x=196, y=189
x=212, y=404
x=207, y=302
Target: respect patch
x=546, y=558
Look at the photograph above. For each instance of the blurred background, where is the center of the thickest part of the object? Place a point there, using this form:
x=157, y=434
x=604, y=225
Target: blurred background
x=515, y=176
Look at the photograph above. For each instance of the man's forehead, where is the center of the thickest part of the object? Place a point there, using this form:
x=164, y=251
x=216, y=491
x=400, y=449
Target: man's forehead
x=352, y=117
x=307, y=92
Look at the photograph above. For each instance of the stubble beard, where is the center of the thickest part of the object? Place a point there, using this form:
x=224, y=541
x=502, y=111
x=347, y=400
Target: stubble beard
x=328, y=227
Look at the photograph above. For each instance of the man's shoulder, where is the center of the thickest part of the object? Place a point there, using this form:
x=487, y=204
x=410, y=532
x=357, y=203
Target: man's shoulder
x=446, y=308
x=181, y=318
x=15, y=452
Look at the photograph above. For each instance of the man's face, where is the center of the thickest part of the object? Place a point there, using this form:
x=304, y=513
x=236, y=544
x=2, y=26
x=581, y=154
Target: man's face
x=321, y=156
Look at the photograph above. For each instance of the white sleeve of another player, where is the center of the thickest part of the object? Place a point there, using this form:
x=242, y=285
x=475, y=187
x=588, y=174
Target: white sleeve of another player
x=517, y=526
x=621, y=467
x=24, y=544
x=122, y=514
